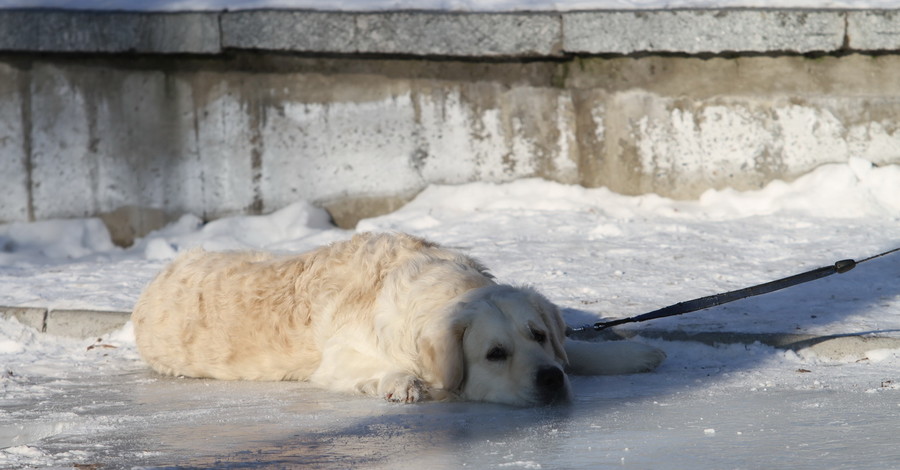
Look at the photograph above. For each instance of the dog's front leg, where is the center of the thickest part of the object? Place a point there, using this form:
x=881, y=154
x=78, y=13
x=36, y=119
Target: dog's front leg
x=401, y=387
x=347, y=369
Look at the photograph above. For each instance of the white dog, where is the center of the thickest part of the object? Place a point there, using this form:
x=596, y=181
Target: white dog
x=388, y=315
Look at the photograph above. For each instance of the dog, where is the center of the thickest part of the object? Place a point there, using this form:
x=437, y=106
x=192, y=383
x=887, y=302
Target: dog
x=387, y=315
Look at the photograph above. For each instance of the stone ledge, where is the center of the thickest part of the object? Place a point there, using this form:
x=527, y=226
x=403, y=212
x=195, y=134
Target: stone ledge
x=453, y=34
x=703, y=31
x=33, y=317
x=109, y=32
x=835, y=347
x=873, y=30
x=404, y=33
x=68, y=323
x=87, y=324
x=84, y=323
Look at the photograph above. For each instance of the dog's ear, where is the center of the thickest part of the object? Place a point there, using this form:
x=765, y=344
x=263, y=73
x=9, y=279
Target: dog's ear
x=554, y=322
x=442, y=359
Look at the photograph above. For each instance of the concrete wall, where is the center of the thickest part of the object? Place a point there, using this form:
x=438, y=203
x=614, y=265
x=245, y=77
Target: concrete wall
x=225, y=113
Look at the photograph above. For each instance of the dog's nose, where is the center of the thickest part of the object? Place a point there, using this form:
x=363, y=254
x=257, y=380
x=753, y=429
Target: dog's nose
x=551, y=385
x=550, y=379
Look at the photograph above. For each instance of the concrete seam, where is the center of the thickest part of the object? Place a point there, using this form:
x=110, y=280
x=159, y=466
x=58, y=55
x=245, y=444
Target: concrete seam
x=845, y=43
x=221, y=33
x=560, y=47
x=27, y=145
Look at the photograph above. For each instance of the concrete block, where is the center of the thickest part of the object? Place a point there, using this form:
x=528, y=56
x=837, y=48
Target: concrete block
x=60, y=139
x=391, y=141
x=14, y=168
x=413, y=33
x=300, y=31
x=84, y=323
x=347, y=212
x=228, y=117
x=471, y=34
x=128, y=223
x=873, y=30
x=109, y=32
x=702, y=31
x=113, y=138
x=29, y=316
x=834, y=347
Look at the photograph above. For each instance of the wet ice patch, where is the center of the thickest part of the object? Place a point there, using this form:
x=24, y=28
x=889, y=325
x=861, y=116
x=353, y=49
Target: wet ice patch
x=20, y=435
x=520, y=464
x=23, y=455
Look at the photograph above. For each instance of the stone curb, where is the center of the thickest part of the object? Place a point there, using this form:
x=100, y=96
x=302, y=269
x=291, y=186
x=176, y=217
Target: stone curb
x=109, y=32
x=452, y=34
x=704, y=31
x=66, y=322
x=86, y=324
x=837, y=347
x=406, y=33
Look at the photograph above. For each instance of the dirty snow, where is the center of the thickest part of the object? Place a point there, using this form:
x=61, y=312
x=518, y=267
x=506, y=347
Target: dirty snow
x=594, y=252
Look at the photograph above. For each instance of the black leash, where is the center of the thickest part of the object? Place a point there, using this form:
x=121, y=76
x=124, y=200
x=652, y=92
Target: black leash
x=701, y=303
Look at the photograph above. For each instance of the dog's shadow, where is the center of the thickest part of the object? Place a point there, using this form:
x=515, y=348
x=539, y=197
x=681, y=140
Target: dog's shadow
x=448, y=435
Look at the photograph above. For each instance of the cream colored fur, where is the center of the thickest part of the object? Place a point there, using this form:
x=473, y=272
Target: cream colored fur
x=388, y=315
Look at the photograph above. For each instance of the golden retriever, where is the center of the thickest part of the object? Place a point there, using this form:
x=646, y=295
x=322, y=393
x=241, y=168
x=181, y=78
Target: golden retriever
x=389, y=315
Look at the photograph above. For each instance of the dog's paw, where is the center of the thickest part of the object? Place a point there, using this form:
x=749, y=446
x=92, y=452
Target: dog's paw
x=402, y=388
x=648, y=358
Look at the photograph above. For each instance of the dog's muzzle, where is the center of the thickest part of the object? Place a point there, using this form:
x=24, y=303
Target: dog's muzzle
x=550, y=384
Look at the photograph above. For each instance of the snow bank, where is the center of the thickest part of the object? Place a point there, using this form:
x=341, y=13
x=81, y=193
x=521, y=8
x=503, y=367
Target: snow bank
x=296, y=221
x=857, y=189
x=574, y=234
x=60, y=239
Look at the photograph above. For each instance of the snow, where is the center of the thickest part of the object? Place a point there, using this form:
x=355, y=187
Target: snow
x=92, y=402
x=440, y=5
x=53, y=239
x=596, y=253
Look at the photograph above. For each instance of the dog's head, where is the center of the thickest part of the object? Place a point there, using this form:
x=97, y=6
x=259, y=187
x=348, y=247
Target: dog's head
x=504, y=345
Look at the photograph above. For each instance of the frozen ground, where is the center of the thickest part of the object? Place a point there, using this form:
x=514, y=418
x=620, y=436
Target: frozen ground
x=451, y=5
x=597, y=254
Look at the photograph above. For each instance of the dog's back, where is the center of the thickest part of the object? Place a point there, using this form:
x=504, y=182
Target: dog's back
x=212, y=314
x=254, y=316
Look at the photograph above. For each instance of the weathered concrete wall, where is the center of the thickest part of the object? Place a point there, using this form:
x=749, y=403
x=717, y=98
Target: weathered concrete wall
x=196, y=125
x=195, y=135
x=679, y=126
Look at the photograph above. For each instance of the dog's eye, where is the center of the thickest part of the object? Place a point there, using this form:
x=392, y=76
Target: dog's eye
x=539, y=336
x=496, y=354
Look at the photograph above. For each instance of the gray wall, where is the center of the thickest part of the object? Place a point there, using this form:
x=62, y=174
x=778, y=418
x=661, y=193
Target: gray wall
x=141, y=117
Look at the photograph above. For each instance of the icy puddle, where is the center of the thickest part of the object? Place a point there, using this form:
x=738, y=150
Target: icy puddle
x=672, y=419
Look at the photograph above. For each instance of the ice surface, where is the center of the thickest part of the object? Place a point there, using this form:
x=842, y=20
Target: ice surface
x=447, y=5
x=769, y=409
x=594, y=252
